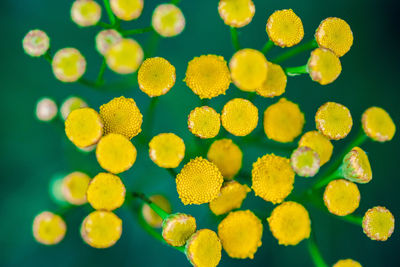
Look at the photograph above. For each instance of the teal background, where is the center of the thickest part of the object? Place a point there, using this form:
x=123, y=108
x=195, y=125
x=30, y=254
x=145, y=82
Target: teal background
x=32, y=152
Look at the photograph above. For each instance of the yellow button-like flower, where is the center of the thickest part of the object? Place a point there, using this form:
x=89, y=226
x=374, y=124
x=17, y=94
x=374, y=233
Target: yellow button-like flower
x=208, y=76
x=70, y=104
x=336, y=35
x=125, y=56
x=84, y=127
x=122, y=116
x=204, y=122
x=101, y=229
x=167, y=150
x=347, y=263
x=324, y=66
x=178, y=228
x=105, y=39
x=290, y=223
x=85, y=12
x=199, y=182
x=239, y=117
x=319, y=143
x=305, y=161
x=378, y=223
x=283, y=121
x=68, y=65
x=48, y=228
x=272, y=178
x=203, y=249
x=156, y=76
x=341, y=197
x=74, y=187
x=236, y=13
x=285, y=28
x=240, y=233
x=249, y=69
x=46, y=109
x=36, y=43
x=333, y=120
x=150, y=216
x=275, y=84
x=231, y=197
x=106, y=192
x=378, y=125
x=356, y=167
x=227, y=156
x=168, y=20
x=127, y=9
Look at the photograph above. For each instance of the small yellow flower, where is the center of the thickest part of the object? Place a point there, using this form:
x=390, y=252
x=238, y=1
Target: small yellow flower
x=85, y=12
x=177, y=228
x=305, y=161
x=347, y=263
x=150, y=216
x=378, y=125
x=167, y=150
x=249, y=69
x=74, y=187
x=239, y=117
x=272, y=178
x=203, y=249
x=106, y=192
x=227, y=156
x=319, y=143
x=236, y=13
x=275, y=84
x=341, y=197
x=125, y=56
x=168, y=20
x=356, y=166
x=68, y=65
x=70, y=104
x=48, y=228
x=127, y=9
x=334, y=120
x=46, y=109
x=36, y=43
x=198, y=182
x=208, y=76
x=231, y=197
x=324, y=66
x=285, y=28
x=378, y=223
x=204, y=122
x=290, y=223
x=105, y=39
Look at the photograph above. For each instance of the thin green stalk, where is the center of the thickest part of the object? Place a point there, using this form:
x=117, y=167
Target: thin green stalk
x=175, y=2
x=315, y=253
x=235, y=38
x=296, y=50
x=100, y=76
x=152, y=205
x=354, y=219
x=325, y=180
x=104, y=25
x=172, y=172
x=47, y=56
x=268, y=45
x=294, y=71
x=136, y=31
x=110, y=14
x=88, y=83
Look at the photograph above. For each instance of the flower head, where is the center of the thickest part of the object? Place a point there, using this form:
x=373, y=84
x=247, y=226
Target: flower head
x=168, y=20
x=341, y=197
x=319, y=143
x=105, y=39
x=85, y=12
x=204, y=122
x=177, y=228
x=275, y=83
x=48, y=228
x=305, y=161
x=333, y=120
x=347, y=263
x=239, y=117
x=46, y=109
x=68, y=65
x=204, y=248
x=285, y=28
x=378, y=223
x=378, y=125
x=236, y=13
x=231, y=197
x=167, y=150
x=70, y=104
x=227, y=156
x=150, y=216
x=324, y=66
x=125, y=56
x=74, y=187
x=36, y=43
x=127, y=9
x=356, y=167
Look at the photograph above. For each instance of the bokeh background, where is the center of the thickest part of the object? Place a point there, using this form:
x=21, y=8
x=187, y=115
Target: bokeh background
x=33, y=152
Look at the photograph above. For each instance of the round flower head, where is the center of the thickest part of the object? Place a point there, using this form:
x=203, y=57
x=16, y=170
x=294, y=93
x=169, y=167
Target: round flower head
x=84, y=127
x=319, y=143
x=378, y=125
x=36, y=43
x=249, y=69
x=156, y=76
x=324, y=66
x=231, y=197
x=204, y=122
x=85, y=12
x=127, y=9
x=150, y=216
x=122, y=116
x=272, y=178
x=101, y=229
x=125, y=56
x=283, y=121
x=106, y=192
x=290, y=223
x=105, y=39
x=285, y=28
x=46, y=109
x=378, y=223
x=347, y=263
x=167, y=150
x=239, y=117
x=177, y=228
x=208, y=76
x=335, y=34
x=341, y=197
x=333, y=120
x=70, y=104
x=275, y=83
x=68, y=65
x=356, y=167
x=305, y=161
x=236, y=13
x=204, y=248
x=48, y=228
x=168, y=20
x=227, y=156
x=74, y=187
x=198, y=182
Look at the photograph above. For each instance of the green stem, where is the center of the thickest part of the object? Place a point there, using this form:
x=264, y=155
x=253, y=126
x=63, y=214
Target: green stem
x=354, y=219
x=324, y=181
x=100, y=76
x=88, y=83
x=296, y=50
x=152, y=205
x=294, y=71
x=175, y=2
x=111, y=16
x=47, y=56
x=104, y=25
x=315, y=253
x=268, y=45
x=172, y=172
x=235, y=38
x=136, y=31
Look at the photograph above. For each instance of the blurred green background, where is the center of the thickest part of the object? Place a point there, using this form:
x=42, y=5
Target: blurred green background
x=33, y=152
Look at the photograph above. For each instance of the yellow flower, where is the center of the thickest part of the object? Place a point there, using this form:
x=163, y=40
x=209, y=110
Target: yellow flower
x=168, y=20
x=378, y=223
x=150, y=216
x=101, y=229
x=167, y=150
x=347, y=263
x=127, y=9
x=198, y=182
x=239, y=117
x=283, y=121
x=85, y=12
x=275, y=83
x=156, y=76
x=203, y=249
x=236, y=13
x=227, y=156
x=122, y=116
x=208, y=76
x=341, y=197
x=70, y=104
x=378, y=125
x=285, y=28
x=84, y=127
x=36, y=43
x=177, y=228
x=319, y=143
x=48, y=228
x=324, y=66
x=204, y=122
x=106, y=192
x=125, y=56
x=74, y=187
x=105, y=39
x=333, y=120
x=46, y=109
x=231, y=197
x=68, y=65
x=356, y=167
x=249, y=69
x=272, y=178
x=335, y=34
x=290, y=223
x=305, y=161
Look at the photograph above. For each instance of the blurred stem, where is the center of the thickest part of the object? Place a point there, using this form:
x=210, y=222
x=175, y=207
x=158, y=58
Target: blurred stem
x=136, y=31
x=354, y=219
x=172, y=172
x=104, y=25
x=175, y=2
x=88, y=83
x=294, y=71
x=325, y=180
x=315, y=253
x=47, y=56
x=296, y=50
x=204, y=101
x=268, y=45
x=100, y=76
x=235, y=38
x=110, y=14
x=152, y=205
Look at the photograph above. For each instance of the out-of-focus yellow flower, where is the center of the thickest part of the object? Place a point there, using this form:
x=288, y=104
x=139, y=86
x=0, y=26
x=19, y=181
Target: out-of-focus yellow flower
x=168, y=20
x=239, y=117
x=105, y=39
x=275, y=84
x=125, y=56
x=167, y=150
x=285, y=28
x=356, y=167
x=333, y=120
x=347, y=263
x=150, y=216
x=341, y=197
x=378, y=223
x=48, y=228
x=36, y=43
x=227, y=156
x=85, y=12
x=305, y=161
x=231, y=197
x=319, y=143
x=236, y=13
x=70, y=104
x=46, y=109
x=74, y=187
x=127, y=9
x=68, y=65
x=177, y=228
x=204, y=122
x=378, y=125
x=324, y=66
x=204, y=249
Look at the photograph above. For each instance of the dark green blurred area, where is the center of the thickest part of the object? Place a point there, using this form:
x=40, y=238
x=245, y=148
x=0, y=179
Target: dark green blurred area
x=32, y=152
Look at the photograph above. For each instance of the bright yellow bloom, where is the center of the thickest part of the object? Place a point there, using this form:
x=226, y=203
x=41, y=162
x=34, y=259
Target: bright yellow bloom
x=356, y=167
x=333, y=120
x=204, y=122
x=46, y=109
x=36, y=43
x=150, y=216
x=167, y=150
x=48, y=228
x=85, y=12
x=168, y=20
x=239, y=117
x=305, y=161
x=378, y=125
x=203, y=249
x=127, y=9
x=272, y=178
x=198, y=182
x=68, y=65
x=227, y=156
x=378, y=223
x=341, y=197
x=324, y=66
x=177, y=228
x=231, y=197
x=319, y=143
x=105, y=39
x=125, y=56
x=275, y=84
x=290, y=223
x=347, y=263
x=70, y=104
x=285, y=28
x=236, y=13
x=208, y=76
x=74, y=187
